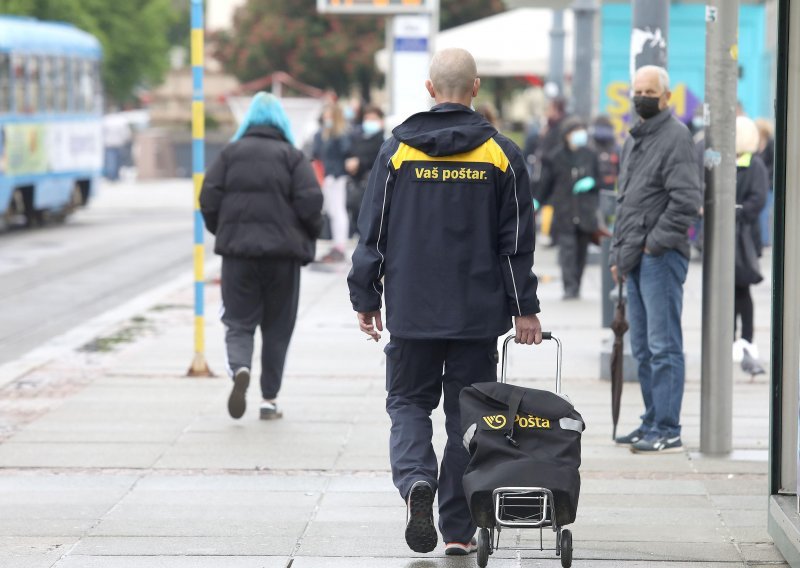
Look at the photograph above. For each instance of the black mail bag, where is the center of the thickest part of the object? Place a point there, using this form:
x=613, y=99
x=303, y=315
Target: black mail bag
x=520, y=437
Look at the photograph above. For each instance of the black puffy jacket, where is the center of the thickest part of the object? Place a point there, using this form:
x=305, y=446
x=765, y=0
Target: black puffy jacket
x=659, y=191
x=561, y=168
x=261, y=199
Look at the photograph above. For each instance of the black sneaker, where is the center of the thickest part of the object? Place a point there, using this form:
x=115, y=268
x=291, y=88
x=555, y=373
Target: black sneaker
x=269, y=411
x=420, y=531
x=631, y=438
x=236, y=401
x=662, y=445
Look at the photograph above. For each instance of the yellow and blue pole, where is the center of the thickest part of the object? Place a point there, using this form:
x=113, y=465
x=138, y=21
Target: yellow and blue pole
x=199, y=366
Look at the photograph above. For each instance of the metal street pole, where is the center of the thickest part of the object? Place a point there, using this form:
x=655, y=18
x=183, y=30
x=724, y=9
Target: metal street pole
x=582, y=77
x=557, y=34
x=199, y=367
x=716, y=387
x=649, y=33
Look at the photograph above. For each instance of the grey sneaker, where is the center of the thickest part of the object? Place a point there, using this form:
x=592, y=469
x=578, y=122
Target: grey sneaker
x=269, y=411
x=631, y=438
x=662, y=445
x=420, y=530
x=237, y=400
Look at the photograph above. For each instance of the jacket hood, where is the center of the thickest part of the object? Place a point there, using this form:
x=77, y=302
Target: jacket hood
x=264, y=131
x=446, y=129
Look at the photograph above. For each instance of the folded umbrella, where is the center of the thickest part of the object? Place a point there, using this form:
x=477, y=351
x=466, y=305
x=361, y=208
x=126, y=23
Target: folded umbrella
x=619, y=325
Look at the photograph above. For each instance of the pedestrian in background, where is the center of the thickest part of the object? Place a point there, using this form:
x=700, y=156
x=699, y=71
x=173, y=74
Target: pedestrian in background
x=367, y=141
x=331, y=147
x=604, y=143
x=261, y=199
x=659, y=198
x=766, y=151
x=752, y=187
x=549, y=140
x=447, y=227
x=568, y=182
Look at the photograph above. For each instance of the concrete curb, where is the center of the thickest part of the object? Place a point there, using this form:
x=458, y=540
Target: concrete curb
x=97, y=326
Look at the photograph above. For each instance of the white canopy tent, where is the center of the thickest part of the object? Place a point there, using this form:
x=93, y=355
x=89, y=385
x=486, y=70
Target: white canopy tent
x=512, y=43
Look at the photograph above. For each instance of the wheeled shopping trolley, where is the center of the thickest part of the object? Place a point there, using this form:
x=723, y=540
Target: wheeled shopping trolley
x=525, y=451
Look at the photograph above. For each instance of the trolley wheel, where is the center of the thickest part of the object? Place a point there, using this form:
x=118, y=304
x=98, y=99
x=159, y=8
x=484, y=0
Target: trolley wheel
x=566, y=548
x=483, y=547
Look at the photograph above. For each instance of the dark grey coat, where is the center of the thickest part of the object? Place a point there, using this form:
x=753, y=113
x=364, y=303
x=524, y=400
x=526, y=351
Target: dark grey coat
x=659, y=191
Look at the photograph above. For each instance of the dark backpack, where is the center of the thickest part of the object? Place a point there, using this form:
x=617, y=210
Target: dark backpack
x=520, y=437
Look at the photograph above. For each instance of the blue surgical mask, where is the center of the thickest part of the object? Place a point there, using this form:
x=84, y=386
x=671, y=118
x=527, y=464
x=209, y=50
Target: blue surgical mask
x=327, y=123
x=579, y=138
x=371, y=127
x=698, y=122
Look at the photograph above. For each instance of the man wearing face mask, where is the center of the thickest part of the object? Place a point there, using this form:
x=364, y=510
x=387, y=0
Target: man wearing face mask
x=367, y=141
x=569, y=183
x=659, y=198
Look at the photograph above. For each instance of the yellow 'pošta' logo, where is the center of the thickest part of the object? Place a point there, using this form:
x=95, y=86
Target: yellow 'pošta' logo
x=497, y=421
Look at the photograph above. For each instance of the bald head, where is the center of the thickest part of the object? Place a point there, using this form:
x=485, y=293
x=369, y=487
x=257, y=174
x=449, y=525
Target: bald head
x=453, y=77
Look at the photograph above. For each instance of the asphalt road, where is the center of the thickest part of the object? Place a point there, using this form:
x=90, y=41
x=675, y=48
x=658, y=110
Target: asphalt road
x=131, y=237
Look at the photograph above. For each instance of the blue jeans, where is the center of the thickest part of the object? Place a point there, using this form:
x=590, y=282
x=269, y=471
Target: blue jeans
x=655, y=301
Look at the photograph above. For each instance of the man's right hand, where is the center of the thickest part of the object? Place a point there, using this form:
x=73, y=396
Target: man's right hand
x=615, y=275
x=370, y=323
x=527, y=330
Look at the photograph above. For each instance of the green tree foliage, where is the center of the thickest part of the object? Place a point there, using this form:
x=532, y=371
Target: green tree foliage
x=457, y=12
x=289, y=35
x=134, y=35
x=325, y=51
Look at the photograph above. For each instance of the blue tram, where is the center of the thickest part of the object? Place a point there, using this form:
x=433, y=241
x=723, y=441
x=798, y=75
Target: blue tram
x=51, y=137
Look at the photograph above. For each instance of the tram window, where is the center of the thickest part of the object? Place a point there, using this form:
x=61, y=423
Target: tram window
x=60, y=84
x=77, y=92
x=82, y=87
x=98, y=88
x=18, y=68
x=34, y=84
x=5, y=83
x=49, y=83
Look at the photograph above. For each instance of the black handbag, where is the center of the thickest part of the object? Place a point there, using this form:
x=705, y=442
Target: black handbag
x=747, y=268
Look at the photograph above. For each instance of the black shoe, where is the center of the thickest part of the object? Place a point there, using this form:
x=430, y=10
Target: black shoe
x=236, y=401
x=662, y=445
x=420, y=531
x=631, y=438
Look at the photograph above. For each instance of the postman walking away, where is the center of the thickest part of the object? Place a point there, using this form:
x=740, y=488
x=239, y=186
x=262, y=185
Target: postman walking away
x=447, y=227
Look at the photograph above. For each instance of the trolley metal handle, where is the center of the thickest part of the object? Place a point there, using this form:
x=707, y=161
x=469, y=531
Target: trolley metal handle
x=547, y=336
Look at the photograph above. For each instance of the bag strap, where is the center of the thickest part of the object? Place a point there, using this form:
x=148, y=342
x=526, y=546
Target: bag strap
x=514, y=402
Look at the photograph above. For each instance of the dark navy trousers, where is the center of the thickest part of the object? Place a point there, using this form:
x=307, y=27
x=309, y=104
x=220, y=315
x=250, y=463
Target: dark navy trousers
x=418, y=372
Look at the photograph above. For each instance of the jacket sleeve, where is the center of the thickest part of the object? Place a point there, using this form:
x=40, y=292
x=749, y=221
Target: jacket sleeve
x=212, y=192
x=516, y=235
x=365, y=278
x=682, y=184
x=755, y=194
x=544, y=185
x=306, y=196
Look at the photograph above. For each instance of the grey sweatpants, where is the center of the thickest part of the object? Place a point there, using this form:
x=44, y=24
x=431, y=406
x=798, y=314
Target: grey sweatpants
x=259, y=292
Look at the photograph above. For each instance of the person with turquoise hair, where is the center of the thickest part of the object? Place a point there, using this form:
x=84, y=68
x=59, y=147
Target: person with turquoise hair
x=261, y=200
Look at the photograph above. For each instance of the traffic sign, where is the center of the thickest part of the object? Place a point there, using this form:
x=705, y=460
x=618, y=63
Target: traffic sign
x=375, y=6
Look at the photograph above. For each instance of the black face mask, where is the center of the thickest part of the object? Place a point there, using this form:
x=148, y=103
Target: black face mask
x=646, y=107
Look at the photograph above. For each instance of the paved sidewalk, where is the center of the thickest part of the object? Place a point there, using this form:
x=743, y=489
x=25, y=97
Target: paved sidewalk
x=114, y=459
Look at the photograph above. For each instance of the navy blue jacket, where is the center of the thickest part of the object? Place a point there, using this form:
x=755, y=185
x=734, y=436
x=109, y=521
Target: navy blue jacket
x=447, y=225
